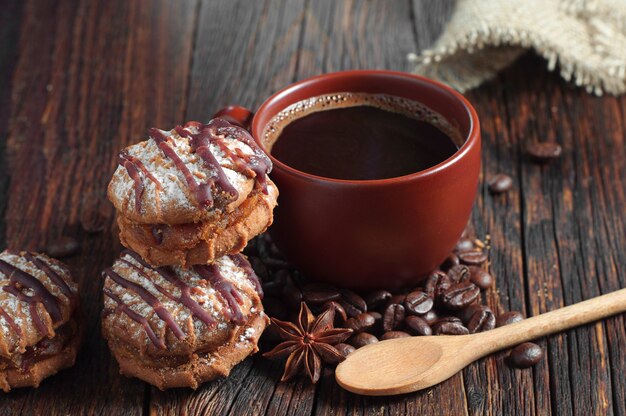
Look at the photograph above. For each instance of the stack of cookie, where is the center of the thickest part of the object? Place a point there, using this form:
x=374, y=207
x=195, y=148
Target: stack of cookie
x=181, y=305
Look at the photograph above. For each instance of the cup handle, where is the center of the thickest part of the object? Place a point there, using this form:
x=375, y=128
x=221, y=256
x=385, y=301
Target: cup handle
x=236, y=114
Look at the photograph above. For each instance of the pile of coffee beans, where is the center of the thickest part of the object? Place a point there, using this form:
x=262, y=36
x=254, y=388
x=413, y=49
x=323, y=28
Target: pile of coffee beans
x=448, y=302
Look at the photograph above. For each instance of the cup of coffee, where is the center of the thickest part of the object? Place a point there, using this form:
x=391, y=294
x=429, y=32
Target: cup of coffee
x=377, y=173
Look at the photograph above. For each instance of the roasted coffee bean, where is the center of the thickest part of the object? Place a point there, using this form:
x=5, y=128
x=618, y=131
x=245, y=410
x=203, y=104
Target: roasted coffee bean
x=395, y=299
x=417, y=326
x=437, y=283
x=63, y=247
x=525, y=355
x=292, y=294
x=431, y=317
x=449, y=326
x=376, y=299
x=543, y=151
x=275, y=252
x=361, y=322
x=352, y=303
x=345, y=349
x=508, y=318
x=319, y=293
x=418, y=302
x=480, y=277
x=340, y=313
x=481, y=320
x=466, y=313
x=394, y=335
x=275, y=308
x=450, y=261
x=464, y=244
x=459, y=273
x=261, y=270
x=460, y=295
x=362, y=339
x=275, y=285
x=393, y=317
x=473, y=257
x=500, y=183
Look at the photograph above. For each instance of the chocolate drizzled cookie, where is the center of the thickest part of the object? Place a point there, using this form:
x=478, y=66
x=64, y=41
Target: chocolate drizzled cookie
x=174, y=327
x=192, y=194
x=39, y=328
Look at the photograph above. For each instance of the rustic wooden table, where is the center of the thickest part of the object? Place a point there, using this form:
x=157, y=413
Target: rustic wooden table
x=80, y=80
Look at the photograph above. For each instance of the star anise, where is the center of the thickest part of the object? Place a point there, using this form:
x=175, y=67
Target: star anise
x=308, y=343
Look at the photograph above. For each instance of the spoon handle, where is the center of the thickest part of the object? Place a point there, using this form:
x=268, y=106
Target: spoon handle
x=555, y=321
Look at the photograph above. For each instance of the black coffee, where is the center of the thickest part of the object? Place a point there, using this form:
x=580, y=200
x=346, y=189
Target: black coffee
x=345, y=139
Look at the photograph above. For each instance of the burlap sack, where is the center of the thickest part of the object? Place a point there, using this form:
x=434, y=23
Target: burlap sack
x=584, y=39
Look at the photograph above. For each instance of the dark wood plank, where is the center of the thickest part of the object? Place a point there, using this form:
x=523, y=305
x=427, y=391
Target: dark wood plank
x=488, y=382
x=569, y=251
x=10, y=20
x=84, y=86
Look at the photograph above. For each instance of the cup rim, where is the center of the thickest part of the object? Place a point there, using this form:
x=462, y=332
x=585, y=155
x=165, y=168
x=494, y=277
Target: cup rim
x=471, y=138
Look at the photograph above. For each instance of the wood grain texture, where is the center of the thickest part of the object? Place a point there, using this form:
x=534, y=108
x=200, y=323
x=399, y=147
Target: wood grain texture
x=79, y=80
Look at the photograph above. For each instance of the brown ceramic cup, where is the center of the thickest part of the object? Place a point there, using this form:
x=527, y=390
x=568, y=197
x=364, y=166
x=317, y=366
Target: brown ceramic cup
x=371, y=234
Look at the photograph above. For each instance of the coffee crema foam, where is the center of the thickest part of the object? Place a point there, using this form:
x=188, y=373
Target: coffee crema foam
x=400, y=105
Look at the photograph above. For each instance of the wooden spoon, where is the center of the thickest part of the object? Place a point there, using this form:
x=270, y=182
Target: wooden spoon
x=405, y=365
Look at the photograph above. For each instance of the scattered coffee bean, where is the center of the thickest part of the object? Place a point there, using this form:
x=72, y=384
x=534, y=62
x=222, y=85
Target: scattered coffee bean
x=319, y=293
x=480, y=277
x=418, y=326
x=376, y=299
x=292, y=296
x=352, y=303
x=431, y=317
x=450, y=261
x=393, y=317
x=473, y=257
x=481, y=320
x=544, y=151
x=345, y=349
x=449, y=326
x=459, y=273
x=525, y=355
x=508, y=318
x=362, y=339
x=394, y=335
x=418, y=302
x=500, y=183
x=464, y=244
x=340, y=313
x=460, y=295
x=466, y=313
x=437, y=283
x=261, y=270
x=395, y=299
x=360, y=323
x=63, y=247
x=274, y=308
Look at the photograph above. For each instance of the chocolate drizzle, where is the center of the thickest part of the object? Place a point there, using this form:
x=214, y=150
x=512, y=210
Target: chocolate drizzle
x=20, y=280
x=241, y=262
x=185, y=291
x=150, y=299
x=122, y=307
x=133, y=166
x=202, y=191
x=229, y=293
x=52, y=275
x=255, y=166
x=15, y=327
